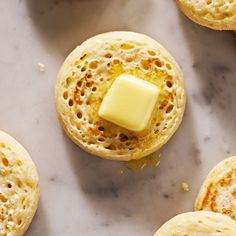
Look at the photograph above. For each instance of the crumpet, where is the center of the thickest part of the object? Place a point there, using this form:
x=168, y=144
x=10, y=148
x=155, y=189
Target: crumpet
x=89, y=72
x=218, y=192
x=215, y=14
x=198, y=223
x=19, y=187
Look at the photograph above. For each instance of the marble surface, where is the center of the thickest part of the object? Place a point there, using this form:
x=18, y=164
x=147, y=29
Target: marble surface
x=82, y=194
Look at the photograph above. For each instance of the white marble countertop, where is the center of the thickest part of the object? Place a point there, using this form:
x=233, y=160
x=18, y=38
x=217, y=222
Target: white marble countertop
x=84, y=195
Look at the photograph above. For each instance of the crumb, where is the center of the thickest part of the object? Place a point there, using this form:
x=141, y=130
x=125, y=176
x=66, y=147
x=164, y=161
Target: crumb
x=185, y=187
x=119, y=172
x=41, y=67
x=165, y=195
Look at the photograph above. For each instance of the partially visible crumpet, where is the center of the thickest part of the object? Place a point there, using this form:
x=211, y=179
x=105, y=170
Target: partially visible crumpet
x=19, y=187
x=198, y=223
x=215, y=14
x=218, y=192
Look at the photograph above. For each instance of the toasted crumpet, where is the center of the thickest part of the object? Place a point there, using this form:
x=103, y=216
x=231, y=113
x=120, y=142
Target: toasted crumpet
x=218, y=192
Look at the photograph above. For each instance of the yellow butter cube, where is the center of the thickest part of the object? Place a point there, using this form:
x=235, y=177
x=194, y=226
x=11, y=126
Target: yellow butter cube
x=129, y=102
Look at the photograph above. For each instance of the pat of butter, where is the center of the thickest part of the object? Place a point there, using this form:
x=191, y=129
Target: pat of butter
x=129, y=102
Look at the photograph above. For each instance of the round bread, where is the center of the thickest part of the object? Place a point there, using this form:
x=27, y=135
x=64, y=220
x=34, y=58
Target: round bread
x=19, y=190
x=199, y=223
x=218, y=192
x=215, y=14
x=88, y=73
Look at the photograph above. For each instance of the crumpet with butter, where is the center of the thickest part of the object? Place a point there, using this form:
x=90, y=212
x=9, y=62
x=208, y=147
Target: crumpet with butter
x=120, y=95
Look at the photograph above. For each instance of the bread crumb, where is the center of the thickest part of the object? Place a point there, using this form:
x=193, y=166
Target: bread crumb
x=41, y=67
x=119, y=172
x=185, y=187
